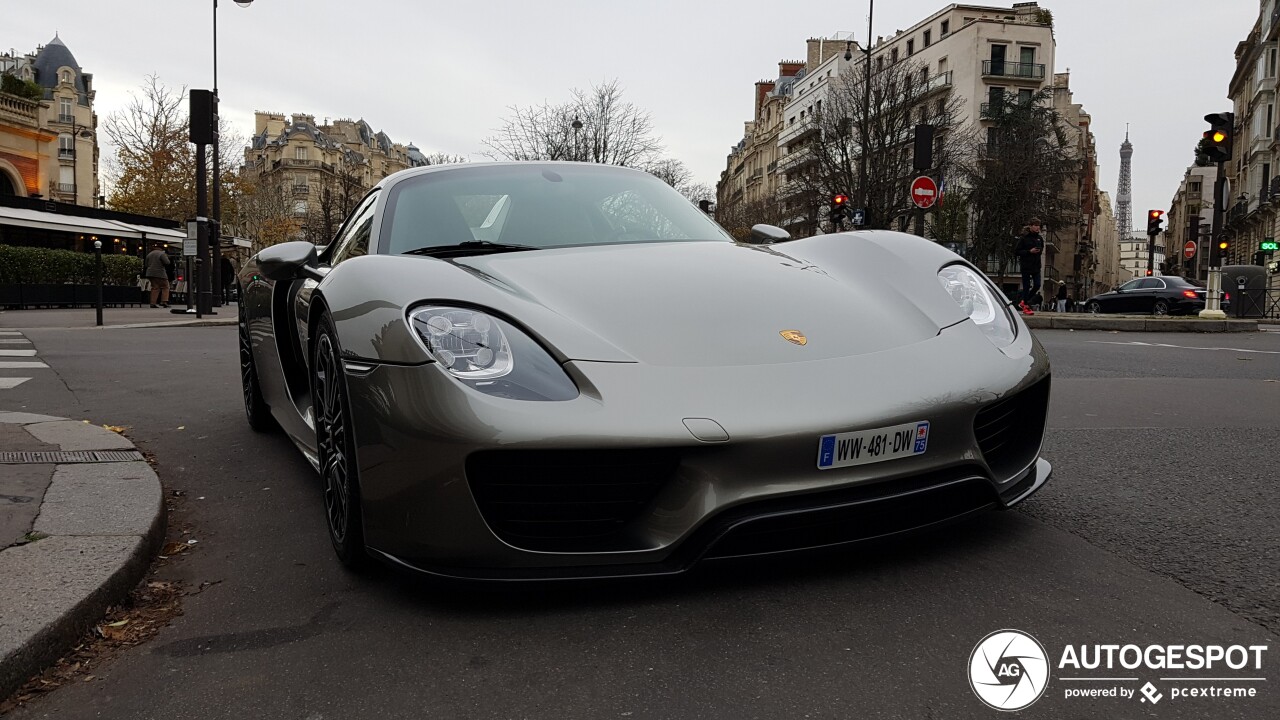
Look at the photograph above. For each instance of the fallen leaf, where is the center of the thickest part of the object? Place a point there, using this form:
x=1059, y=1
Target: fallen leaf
x=114, y=428
x=182, y=427
x=173, y=548
x=119, y=623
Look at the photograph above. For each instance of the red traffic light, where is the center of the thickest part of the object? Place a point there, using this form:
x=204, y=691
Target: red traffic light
x=1156, y=214
x=1148, y=273
x=840, y=199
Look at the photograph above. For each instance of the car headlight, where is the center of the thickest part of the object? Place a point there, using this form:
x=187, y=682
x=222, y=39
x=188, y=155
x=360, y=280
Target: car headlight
x=978, y=298
x=490, y=354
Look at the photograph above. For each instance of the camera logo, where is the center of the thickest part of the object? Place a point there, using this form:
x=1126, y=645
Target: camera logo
x=1008, y=670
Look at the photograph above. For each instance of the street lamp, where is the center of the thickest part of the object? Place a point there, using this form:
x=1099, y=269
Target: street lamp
x=215, y=270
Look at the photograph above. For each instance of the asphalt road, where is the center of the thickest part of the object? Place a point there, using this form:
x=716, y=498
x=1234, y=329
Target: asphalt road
x=1160, y=526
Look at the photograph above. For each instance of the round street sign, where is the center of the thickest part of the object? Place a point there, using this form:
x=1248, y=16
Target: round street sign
x=924, y=192
x=1189, y=250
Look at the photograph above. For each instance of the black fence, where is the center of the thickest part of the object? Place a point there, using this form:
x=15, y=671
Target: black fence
x=69, y=296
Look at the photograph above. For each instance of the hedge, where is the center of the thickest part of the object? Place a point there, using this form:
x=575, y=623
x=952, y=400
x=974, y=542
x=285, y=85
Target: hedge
x=34, y=266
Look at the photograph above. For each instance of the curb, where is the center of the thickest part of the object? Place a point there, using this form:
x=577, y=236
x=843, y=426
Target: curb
x=1137, y=323
x=102, y=518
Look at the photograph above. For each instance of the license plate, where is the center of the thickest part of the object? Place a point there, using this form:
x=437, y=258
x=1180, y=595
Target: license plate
x=872, y=446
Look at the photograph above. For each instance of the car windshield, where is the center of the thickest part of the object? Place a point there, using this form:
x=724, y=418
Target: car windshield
x=542, y=205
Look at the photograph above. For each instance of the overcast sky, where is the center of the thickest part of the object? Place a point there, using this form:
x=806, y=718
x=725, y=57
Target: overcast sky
x=440, y=74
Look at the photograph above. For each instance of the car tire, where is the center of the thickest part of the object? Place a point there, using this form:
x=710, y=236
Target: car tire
x=256, y=410
x=1160, y=308
x=1094, y=307
x=335, y=448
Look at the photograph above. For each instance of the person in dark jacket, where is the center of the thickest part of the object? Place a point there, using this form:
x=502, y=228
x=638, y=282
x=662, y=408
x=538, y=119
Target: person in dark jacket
x=1029, y=250
x=1062, y=297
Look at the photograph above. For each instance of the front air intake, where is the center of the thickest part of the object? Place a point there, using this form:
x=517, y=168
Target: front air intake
x=1010, y=430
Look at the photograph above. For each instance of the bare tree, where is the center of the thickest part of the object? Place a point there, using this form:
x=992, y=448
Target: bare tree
x=596, y=125
x=739, y=218
x=902, y=96
x=1018, y=171
x=337, y=195
x=263, y=210
x=441, y=158
x=151, y=170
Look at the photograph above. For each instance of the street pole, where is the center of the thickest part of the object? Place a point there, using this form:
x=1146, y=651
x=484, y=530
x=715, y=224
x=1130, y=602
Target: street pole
x=1151, y=254
x=216, y=226
x=1213, y=295
x=205, y=297
x=866, y=116
x=97, y=272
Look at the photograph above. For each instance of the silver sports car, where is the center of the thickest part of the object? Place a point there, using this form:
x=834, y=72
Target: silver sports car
x=554, y=370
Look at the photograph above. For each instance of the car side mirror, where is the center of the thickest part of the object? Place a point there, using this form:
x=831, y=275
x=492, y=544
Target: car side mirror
x=768, y=234
x=290, y=261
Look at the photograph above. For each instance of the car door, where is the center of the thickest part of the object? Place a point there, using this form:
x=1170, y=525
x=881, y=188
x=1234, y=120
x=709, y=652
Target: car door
x=1117, y=301
x=351, y=241
x=1144, y=298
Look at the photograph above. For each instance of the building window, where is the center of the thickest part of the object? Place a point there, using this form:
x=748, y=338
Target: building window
x=879, y=63
x=66, y=146
x=300, y=152
x=894, y=56
x=1024, y=96
x=300, y=208
x=928, y=38
x=1266, y=132
x=946, y=28
x=66, y=76
x=64, y=110
x=1271, y=63
x=911, y=48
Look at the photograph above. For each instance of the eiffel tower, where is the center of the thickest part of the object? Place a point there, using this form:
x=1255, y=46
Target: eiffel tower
x=1124, y=194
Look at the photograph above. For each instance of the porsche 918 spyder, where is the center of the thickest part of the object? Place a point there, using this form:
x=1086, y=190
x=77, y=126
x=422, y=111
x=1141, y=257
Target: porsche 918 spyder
x=563, y=370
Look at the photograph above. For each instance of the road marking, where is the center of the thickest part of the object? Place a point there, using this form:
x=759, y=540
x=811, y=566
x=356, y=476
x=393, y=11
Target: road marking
x=1186, y=347
x=9, y=332
x=21, y=365
x=9, y=383
x=11, y=341
x=17, y=353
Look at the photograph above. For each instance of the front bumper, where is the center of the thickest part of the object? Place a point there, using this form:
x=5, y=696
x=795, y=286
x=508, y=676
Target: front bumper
x=417, y=429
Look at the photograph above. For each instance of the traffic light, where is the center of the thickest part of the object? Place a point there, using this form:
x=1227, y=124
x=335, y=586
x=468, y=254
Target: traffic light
x=1148, y=273
x=1155, y=218
x=1220, y=136
x=839, y=207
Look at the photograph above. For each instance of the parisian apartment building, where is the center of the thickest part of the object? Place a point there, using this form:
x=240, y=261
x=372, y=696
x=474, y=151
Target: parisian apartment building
x=976, y=54
x=303, y=155
x=48, y=127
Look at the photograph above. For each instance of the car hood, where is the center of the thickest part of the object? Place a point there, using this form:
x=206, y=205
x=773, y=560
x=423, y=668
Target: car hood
x=723, y=304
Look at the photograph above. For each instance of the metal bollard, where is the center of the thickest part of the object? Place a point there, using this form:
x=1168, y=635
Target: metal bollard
x=97, y=271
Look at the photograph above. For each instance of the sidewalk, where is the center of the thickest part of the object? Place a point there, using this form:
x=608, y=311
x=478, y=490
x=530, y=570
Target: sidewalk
x=83, y=517
x=75, y=318
x=1135, y=323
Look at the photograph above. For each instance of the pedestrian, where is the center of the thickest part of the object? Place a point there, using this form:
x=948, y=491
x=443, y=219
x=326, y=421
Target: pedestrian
x=1062, y=297
x=1029, y=249
x=157, y=267
x=228, y=277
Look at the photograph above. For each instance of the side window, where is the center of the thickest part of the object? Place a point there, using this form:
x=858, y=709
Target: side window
x=353, y=239
x=1131, y=285
x=1150, y=284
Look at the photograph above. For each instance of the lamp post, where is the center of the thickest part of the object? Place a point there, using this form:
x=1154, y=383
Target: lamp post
x=863, y=195
x=215, y=268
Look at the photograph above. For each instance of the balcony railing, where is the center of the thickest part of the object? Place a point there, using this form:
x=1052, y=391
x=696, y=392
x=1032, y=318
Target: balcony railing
x=66, y=187
x=1003, y=69
x=992, y=111
x=66, y=154
x=18, y=109
x=301, y=189
x=66, y=118
x=299, y=162
x=938, y=82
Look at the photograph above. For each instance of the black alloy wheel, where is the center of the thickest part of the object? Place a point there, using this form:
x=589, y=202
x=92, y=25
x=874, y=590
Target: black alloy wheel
x=1094, y=307
x=1161, y=307
x=335, y=445
x=256, y=410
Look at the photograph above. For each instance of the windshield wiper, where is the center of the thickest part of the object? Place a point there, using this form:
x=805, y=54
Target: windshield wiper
x=469, y=247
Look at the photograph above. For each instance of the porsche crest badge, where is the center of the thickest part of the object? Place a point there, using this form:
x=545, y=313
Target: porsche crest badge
x=794, y=336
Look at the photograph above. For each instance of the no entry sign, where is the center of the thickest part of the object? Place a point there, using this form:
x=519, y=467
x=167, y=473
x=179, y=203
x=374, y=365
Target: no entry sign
x=924, y=192
x=1189, y=250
